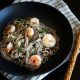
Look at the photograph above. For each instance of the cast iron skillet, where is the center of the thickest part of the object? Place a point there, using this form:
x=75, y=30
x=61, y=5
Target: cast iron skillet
x=49, y=16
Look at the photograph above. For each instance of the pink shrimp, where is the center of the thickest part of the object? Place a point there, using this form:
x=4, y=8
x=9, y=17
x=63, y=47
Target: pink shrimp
x=35, y=61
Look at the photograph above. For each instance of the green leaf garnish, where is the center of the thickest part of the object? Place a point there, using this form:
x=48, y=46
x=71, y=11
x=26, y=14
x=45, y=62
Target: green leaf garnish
x=20, y=49
x=43, y=30
x=46, y=30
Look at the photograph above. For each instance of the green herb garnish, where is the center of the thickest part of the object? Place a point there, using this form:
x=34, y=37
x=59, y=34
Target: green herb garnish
x=20, y=49
x=43, y=30
x=20, y=21
x=46, y=30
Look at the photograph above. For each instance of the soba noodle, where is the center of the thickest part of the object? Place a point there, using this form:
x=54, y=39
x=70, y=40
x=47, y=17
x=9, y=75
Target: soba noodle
x=29, y=42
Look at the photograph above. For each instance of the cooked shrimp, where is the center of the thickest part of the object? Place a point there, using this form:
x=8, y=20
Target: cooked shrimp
x=49, y=40
x=9, y=47
x=34, y=21
x=35, y=61
x=12, y=29
x=29, y=32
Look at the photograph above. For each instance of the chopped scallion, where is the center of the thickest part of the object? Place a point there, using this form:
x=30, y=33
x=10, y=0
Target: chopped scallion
x=20, y=49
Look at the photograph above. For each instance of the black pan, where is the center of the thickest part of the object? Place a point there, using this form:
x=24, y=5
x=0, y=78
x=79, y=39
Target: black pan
x=49, y=16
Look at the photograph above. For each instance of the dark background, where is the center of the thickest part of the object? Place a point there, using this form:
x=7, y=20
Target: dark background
x=4, y=3
x=74, y=5
x=58, y=74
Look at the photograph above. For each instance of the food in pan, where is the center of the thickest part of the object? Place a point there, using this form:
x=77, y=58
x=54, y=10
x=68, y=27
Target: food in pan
x=28, y=42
